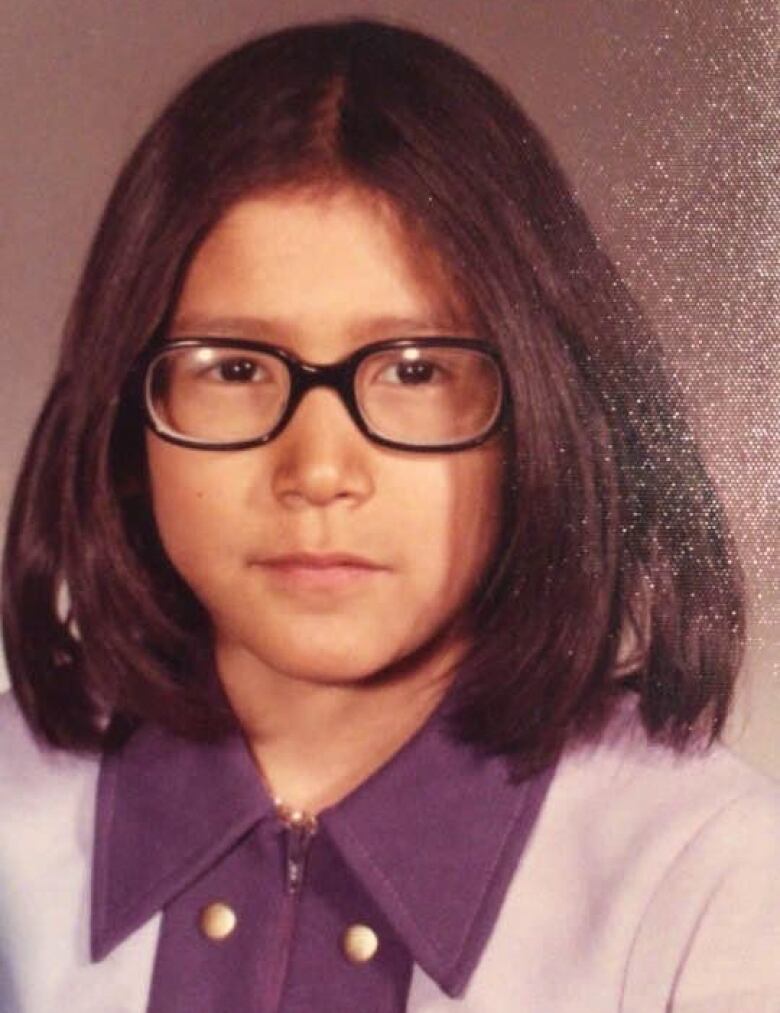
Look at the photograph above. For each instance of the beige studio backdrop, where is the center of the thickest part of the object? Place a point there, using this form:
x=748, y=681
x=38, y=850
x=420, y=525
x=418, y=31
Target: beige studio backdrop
x=664, y=112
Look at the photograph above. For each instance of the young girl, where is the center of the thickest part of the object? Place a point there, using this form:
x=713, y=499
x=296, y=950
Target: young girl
x=369, y=613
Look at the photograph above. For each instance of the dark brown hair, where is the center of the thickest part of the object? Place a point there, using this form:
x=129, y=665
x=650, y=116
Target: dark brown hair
x=614, y=536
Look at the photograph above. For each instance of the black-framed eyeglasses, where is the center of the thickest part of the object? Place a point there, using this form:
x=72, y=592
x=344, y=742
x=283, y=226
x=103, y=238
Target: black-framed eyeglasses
x=419, y=394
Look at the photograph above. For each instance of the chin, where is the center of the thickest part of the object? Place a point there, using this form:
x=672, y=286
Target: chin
x=308, y=658
x=340, y=652
x=343, y=661
x=334, y=666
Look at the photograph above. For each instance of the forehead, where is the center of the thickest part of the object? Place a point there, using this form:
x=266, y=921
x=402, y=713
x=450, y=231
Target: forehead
x=304, y=263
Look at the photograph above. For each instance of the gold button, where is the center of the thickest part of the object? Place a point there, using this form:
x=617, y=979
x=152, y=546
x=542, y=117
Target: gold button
x=359, y=944
x=217, y=921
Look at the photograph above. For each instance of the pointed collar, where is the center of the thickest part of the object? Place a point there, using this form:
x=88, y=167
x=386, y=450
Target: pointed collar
x=167, y=809
x=434, y=836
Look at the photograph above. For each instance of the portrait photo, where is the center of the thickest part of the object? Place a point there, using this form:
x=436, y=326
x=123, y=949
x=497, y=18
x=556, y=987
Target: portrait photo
x=389, y=477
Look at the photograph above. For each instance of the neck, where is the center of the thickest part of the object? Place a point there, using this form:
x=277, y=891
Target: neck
x=315, y=742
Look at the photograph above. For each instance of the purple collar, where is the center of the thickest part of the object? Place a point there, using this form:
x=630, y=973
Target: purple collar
x=434, y=837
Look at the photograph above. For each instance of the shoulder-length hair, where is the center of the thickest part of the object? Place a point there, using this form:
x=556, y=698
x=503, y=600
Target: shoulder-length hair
x=616, y=568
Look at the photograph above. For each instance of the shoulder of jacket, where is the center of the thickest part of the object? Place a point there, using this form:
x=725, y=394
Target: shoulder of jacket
x=624, y=811
x=38, y=783
x=47, y=813
x=627, y=784
x=618, y=882
x=712, y=923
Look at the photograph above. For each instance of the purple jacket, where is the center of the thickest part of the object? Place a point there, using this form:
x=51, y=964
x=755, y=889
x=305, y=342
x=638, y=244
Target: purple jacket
x=627, y=879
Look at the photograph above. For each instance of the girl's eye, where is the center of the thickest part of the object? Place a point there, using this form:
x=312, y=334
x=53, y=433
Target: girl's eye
x=238, y=370
x=415, y=372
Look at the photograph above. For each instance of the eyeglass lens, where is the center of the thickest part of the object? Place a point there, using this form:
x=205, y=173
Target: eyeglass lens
x=416, y=395
x=218, y=395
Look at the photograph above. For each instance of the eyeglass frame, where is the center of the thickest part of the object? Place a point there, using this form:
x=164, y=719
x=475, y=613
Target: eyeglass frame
x=305, y=376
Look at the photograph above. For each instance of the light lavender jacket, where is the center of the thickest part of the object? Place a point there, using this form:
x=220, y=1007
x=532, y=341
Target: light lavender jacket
x=650, y=883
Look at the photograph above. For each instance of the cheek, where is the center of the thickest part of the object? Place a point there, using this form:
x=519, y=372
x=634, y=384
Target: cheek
x=453, y=518
x=190, y=500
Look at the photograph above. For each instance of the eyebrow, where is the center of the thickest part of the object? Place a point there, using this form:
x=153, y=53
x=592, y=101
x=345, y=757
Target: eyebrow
x=278, y=330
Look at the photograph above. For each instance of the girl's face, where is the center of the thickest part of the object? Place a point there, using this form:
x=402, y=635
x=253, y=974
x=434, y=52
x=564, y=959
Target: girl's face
x=322, y=556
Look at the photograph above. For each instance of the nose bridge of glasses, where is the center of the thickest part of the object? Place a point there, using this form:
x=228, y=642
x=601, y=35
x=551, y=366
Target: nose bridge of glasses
x=336, y=376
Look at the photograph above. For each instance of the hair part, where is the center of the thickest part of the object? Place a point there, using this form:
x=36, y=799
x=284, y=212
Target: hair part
x=614, y=537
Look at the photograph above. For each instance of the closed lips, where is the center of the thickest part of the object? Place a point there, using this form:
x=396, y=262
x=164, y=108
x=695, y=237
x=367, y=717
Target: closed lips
x=316, y=561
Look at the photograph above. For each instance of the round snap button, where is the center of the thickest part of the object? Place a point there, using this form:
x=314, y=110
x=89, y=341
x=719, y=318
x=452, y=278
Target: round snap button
x=359, y=944
x=217, y=921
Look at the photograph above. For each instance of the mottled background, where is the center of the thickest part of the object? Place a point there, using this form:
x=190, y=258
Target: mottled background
x=666, y=115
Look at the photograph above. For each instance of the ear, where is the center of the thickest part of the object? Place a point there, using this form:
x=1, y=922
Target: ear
x=634, y=638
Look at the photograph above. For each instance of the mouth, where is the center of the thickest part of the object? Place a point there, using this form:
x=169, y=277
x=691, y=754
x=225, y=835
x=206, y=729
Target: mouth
x=329, y=571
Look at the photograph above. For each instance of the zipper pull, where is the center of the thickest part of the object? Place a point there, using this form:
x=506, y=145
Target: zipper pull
x=299, y=828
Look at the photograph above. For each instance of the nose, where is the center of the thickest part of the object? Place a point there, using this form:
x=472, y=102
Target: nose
x=321, y=457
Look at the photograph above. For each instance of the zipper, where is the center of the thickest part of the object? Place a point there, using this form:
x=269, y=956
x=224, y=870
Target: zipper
x=299, y=829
